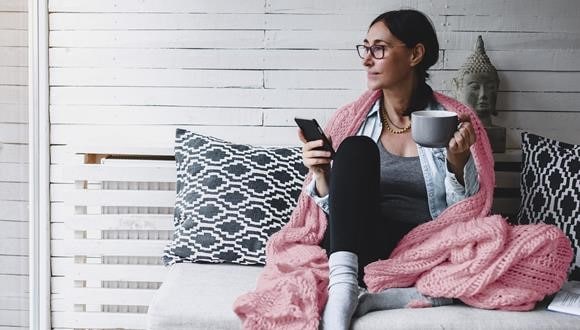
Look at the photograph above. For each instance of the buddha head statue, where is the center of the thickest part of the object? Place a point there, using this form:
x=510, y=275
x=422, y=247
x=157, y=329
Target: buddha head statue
x=477, y=82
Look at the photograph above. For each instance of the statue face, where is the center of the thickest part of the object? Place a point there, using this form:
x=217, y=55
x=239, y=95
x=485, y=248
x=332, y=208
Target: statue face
x=479, y=91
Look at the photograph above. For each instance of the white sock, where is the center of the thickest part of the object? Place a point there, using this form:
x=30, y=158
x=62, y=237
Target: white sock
x=397, y=298
x=342, y=291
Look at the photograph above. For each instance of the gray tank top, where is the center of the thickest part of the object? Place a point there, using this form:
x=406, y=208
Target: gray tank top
x=403, y=191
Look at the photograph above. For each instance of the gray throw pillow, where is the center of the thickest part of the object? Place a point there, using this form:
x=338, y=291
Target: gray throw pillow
x=230, y=198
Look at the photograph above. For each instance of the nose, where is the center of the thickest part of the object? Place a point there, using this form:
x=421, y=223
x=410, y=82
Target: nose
x=482, y=93
x=368, y=59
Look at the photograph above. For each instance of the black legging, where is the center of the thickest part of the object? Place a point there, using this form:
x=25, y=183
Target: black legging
x=355, y=223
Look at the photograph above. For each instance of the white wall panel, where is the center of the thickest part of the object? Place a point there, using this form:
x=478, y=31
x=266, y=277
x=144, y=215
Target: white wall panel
x=13, y=164
x=124, y=74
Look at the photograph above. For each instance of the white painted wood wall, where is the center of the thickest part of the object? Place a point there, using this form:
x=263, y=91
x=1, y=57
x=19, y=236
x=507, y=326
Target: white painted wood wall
x=13, y=165
x=125, y=74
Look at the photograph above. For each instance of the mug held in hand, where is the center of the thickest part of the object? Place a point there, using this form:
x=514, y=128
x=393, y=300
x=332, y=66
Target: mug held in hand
x=433, y=128
x=312, y=132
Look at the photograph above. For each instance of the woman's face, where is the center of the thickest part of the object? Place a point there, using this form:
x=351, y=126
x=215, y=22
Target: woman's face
x=396, y=65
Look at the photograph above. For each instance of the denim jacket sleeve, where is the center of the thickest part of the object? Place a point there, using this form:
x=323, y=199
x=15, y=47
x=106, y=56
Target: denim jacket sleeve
x=321, y=201
x=455, y=191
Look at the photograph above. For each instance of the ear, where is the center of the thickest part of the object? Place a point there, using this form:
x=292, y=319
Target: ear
x=417, y=54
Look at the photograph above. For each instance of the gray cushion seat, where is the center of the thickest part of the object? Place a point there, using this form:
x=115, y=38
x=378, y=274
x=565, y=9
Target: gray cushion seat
x=200, y=296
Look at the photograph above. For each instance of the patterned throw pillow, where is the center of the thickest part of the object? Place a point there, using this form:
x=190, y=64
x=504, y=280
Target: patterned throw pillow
x=550, y=186
x=230, y=199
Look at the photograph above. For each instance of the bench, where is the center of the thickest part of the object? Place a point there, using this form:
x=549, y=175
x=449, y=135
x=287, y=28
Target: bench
x=107, y=269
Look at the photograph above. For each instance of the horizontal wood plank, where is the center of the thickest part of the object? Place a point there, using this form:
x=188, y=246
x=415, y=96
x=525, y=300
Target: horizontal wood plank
x=158, y=39
x=155, y=77
x=447, y=39
x=13, y=172
x=14, y=303
x=14, y=75
x=205, y=58
x=13, y=191
x=14, y=210
x=13, y=320
x=156, y=21
x=13, y=265
x=99, y=320
x=131, y=198
x=102, y=172
x=439, y=80
x=163, y=136
x=13, y=20
x=13, y=230
x=14, y=56
x=13, y=38
x=138, y=6
x=141, y=297
x=513, y=23
x=14, y=246
x=565, y=121
x=117, y=247
x=521, y=59
x=13, y=6
x=13, y=94
x=13, y=153
x=431, y=8
x=120, y=222
x=14, y=113
x=154, y=115
x=103, y=272
x=227, y=97
x=13, y=285
x=212, y=21
x=13, y=133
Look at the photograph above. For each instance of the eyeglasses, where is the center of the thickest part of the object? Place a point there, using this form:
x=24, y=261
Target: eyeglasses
x=377, y=51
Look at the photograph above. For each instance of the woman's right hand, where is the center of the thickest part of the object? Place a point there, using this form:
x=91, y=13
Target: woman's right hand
x=317, y=161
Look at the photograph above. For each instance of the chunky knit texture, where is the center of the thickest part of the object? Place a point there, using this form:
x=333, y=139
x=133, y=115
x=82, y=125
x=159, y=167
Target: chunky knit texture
x=464, y=253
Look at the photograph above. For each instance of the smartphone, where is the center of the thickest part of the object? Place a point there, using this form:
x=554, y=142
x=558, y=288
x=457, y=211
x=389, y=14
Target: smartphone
x=312, y=131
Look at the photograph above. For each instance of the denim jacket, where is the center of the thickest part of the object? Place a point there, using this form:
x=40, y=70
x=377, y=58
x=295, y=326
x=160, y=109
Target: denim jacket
x=443, y=189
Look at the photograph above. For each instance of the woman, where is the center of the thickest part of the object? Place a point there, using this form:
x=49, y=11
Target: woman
x=381, y=183
x=380, y=186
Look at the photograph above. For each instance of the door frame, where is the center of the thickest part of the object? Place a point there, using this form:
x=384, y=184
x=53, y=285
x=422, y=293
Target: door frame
x=39, y=164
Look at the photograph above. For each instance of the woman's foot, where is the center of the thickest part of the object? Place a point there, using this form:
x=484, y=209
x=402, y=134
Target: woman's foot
x=342, y=291
x=397, y=298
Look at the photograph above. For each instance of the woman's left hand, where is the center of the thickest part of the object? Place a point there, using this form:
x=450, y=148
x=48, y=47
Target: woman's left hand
x=463, y=138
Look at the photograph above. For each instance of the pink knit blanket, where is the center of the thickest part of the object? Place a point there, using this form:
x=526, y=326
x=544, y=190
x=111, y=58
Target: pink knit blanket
x=464, y=253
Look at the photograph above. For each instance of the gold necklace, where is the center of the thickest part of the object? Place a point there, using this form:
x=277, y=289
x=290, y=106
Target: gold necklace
x=385, y=120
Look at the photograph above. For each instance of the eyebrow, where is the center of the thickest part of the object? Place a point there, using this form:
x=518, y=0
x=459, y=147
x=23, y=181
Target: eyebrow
x=378, y=40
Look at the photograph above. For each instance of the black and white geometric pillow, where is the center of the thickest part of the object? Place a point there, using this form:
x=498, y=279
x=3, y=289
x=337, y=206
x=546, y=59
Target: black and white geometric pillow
x=230, y=199
x=550, y=186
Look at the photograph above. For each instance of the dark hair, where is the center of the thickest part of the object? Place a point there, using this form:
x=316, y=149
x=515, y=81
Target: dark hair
x=413, y=27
